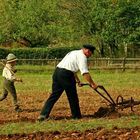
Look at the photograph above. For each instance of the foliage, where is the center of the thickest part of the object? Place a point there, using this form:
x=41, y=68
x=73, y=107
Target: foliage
x=109, y=24
x=3, y=53
x=37, y=53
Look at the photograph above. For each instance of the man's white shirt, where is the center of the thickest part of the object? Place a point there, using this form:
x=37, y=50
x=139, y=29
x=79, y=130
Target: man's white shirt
x=75, y=61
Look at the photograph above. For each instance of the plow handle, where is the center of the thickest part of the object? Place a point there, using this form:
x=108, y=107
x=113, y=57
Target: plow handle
x=109, y=99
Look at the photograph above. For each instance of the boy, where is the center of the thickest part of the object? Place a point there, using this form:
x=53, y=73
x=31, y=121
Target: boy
x=9, y=79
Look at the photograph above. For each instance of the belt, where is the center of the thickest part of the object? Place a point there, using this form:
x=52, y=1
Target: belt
x=63, y=69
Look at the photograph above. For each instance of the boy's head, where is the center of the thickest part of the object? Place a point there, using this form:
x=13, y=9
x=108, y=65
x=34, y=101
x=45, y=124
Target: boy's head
x=11, y=58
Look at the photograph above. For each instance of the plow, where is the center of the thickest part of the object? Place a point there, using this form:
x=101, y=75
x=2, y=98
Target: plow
x=113, y=105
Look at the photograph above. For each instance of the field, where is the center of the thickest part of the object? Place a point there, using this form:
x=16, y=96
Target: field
x=35, y=89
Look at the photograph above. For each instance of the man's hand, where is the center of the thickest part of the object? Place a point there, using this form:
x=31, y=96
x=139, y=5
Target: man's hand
x=80, y=84
x=94, y=86
x=83, y=84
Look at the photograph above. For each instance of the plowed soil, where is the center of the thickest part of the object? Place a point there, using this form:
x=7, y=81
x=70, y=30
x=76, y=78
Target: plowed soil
x=91, y=105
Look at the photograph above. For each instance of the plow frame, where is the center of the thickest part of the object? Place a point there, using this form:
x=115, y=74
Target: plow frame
x=120, y=102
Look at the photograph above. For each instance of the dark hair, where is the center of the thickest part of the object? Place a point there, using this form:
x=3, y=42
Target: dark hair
x=90, y=47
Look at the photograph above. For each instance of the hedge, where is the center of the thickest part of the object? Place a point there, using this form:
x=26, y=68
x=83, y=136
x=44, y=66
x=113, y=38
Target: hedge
x=3, y=53
x=37, y=53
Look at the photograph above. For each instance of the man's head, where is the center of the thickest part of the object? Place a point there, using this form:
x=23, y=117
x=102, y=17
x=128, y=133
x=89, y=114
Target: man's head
x=88, y=50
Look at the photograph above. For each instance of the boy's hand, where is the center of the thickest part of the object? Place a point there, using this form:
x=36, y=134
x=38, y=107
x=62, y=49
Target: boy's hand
x=19, y=80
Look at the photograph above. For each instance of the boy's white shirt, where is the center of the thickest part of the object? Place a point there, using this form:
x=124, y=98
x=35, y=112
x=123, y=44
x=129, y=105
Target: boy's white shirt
x=7, y=72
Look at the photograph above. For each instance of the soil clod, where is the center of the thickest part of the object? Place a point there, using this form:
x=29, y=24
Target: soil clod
x=103, y=112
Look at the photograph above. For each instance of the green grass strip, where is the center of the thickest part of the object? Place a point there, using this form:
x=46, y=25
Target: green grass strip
x=69, y=125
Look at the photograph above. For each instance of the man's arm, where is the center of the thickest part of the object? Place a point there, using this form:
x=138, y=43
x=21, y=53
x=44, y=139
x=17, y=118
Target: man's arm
x=76, y=78
x=88, y=78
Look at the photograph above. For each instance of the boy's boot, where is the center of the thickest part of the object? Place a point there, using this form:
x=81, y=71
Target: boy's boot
x=18, y=109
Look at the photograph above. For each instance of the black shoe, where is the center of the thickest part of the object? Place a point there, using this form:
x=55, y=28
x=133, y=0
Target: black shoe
x=41, y=118
x=18, y=109
x=77, y=117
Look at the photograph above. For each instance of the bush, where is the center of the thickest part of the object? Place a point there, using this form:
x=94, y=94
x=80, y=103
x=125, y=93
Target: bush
x=37, y=53
x=3, y=53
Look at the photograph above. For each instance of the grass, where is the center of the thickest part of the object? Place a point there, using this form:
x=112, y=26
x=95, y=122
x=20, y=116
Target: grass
x=116, y=80
x=40, y=81
x=69, y=125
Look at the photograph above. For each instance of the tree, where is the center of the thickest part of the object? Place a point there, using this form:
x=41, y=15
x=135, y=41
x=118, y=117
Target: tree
x=108, y=23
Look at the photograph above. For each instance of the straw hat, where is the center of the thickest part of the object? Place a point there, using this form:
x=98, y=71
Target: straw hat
x=11, y=58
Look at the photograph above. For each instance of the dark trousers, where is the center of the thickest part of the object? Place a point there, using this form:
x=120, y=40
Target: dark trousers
x=63, y=80
x=8, y=86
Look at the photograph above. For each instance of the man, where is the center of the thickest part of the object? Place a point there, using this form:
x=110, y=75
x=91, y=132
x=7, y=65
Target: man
x=9, y=79
x=65, y=79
